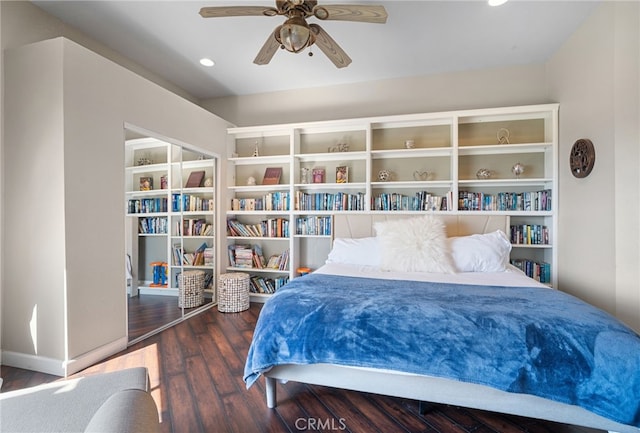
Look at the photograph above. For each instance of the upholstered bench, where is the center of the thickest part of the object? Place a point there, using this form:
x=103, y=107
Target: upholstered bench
x=110, y=402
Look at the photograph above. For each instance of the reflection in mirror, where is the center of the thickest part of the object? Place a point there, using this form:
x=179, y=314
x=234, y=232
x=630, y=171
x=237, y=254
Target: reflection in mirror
x=169, y=231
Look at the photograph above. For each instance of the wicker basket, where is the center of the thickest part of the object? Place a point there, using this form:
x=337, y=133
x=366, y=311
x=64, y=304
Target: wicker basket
x=190, y=289
x=233, y=292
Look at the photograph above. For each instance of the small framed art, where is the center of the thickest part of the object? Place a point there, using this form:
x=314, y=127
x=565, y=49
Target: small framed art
x=146, y=183
x=272, y=176
x=195, y=179
x=342, y=174
x=318, y=175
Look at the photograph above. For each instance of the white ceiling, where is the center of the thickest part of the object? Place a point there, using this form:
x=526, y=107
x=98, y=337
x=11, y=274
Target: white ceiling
x=419, y=38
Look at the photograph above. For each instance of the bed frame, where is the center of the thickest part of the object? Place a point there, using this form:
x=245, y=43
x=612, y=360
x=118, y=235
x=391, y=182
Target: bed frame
x=428, y=388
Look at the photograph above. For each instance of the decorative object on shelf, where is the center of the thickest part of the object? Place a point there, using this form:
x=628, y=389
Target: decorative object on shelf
x=384, y=175
x=272, y=176
x=208, y=182
x=305, y=175
x=195, y=179
x=164, y=181
x=342, y=174
x=421, y=175
x=483, y=173
x=517, y=169
x=201, y=157
x=146, y=183
x=256, y=152
x=144, y=160
x=582, y=158
x=160, y=271
x=251, y=181
x=340, y=147
x=503, y=136
x=318, y=175
x=303, y=270
x=409, y=144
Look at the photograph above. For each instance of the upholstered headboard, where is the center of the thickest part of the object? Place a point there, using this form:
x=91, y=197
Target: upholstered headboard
x=361, y=225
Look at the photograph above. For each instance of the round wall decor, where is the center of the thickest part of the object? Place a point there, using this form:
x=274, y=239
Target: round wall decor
x=582, y=158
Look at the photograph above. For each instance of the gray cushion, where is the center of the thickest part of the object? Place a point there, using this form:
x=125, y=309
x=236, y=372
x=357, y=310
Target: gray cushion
x=126, y=411
x=65, y=406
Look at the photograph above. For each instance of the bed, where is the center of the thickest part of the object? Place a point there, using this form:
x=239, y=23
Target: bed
x=482, y=336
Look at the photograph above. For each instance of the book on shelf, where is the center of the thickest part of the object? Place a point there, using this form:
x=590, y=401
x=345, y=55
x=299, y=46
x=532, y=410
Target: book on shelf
x=146, y=183
x=342, y=174
x=258, y=258
x=317, y=175
x=195, y=179
x=272, y=176
x=259, y=284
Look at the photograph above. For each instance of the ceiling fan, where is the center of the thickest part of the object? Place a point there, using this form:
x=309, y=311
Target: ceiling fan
x=295, y=34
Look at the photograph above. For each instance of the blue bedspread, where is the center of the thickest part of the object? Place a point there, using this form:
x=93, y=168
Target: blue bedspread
x=522, y=340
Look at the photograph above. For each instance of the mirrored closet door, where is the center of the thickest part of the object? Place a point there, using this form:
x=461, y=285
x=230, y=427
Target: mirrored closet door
x=170, y=231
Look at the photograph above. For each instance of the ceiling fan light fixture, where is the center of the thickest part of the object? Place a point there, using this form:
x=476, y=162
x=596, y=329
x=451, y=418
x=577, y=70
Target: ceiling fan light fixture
x=294, y=35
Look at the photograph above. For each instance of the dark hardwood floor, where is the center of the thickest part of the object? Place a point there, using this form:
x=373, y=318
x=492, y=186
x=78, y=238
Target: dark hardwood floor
x=146, y=313
x=196, y=371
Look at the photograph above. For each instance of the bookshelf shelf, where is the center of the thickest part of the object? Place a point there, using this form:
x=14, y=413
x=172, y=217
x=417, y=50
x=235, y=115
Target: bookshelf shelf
x=428, y=154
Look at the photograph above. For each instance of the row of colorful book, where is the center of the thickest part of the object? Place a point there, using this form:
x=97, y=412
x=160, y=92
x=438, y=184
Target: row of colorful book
x=147, y=205
x=202, y=256
x=251, y=257
x=270, y=227
x=274, y=201
x=420, y=201
x=529, y=234
x=152, y=225
x=505, y=201
x=539, y=271
x=260, y=284
x=194, y=227
x=314, y=225
x=340, y=201
x=191, y=203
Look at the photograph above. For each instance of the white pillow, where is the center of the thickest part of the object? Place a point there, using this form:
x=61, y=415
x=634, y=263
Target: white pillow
x=362, y=251
x=480, y=253
x=414, y=245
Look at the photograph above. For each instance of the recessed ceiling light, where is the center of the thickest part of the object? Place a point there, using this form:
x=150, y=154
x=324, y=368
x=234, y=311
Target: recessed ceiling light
x=207, y=62
x=496, y=2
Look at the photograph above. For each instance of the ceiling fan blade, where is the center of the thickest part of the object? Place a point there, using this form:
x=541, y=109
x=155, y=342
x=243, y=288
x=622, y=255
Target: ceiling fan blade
x=361, y=13
x=236, y=11
x=267, y=51
x=329, y=47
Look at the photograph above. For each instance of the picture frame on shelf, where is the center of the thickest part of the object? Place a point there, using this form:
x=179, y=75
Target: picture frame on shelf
x=272, y=176
x=146, y=183
x=342, y=174
x=195, y=179
x=317, y=175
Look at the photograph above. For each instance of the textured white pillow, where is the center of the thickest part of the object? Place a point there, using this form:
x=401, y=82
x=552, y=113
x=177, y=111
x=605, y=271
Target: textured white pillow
x=480, y=253
x=414, y=245
x=362, y=251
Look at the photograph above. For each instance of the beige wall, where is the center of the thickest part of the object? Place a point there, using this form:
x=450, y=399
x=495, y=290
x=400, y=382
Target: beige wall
x=595, y=77
x=64, y=280
x=473, y=89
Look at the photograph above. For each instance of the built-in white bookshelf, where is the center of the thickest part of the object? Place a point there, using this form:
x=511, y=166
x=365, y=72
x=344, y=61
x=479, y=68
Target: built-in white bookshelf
x=458, y=162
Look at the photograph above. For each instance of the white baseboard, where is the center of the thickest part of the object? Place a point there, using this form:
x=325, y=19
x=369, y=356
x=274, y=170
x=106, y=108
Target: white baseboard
x=59, y=367
x=33, y=362
x=88, y=359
